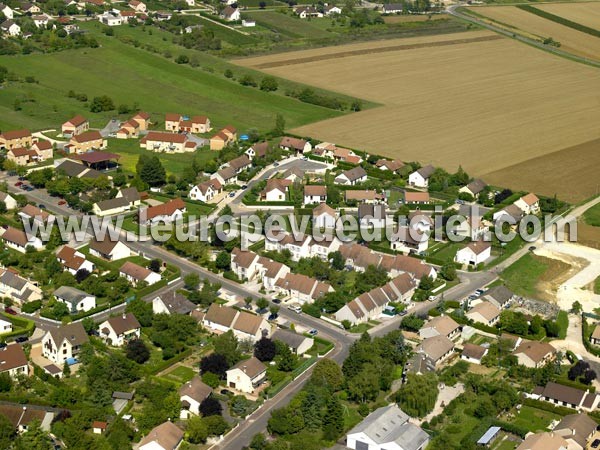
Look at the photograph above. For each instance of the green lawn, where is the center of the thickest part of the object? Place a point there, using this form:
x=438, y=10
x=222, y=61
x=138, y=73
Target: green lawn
x=535, y=420
x=592, y=216
x=180, y=374
x=447, y=252
x=563, y=322
x=290, y=26
x=130, y=76
x=523, y=275
x=360, y=328
x=597, y=286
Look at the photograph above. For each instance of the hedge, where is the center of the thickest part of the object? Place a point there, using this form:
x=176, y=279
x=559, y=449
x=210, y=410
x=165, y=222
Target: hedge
x=511, y=428
x=26, y=326
x=31, y=307
x=560, y=20
x=545, y=406
x=164, y=364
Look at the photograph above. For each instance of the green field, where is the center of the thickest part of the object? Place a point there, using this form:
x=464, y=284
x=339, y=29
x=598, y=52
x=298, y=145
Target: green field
x=130, y=76
x=535, y=420
x=592, y=216
x=523, y=275
x=290, y=26
x=597, y=286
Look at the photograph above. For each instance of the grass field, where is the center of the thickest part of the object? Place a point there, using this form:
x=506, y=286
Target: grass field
x=449, y=97
x=592, y=216
x=414, y=18
x=597, y=286
x=130, y=75
x=535, y=420
x=289, y=26
x=587, y=14
x=571, y=40
x=530, y=274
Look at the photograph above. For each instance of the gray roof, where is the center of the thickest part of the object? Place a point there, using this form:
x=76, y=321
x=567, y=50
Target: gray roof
x=426, y=171
x=355, y=174
x=374, y=211
x=130, y=194
x=292, y=340
x=73, y=332
x=177, y=303
x=476, y=186
x=70, y=294
x=499, y=293
x=13, y=280
x=420, y=364
x=117, y=202
x=488, y=436
x=71, y=168
x=390, y=424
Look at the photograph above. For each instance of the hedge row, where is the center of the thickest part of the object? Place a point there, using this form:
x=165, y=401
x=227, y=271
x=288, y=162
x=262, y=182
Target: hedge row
x=545, y=406
x=561, y=20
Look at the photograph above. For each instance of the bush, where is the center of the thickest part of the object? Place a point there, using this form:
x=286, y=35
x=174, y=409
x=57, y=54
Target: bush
x=31, y=307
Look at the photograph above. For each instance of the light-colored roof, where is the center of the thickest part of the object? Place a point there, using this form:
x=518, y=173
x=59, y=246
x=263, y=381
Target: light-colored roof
x=544, y=441
x=251, y=367
x=135, y=271
x=473, y=351
x=292, y=340
x=530, y=199
x=195, y=389
x=437, y=346
x=444, y=325
x=478, y=247
x=243, y=258
x=221, y=315
x=11, y=357
x=536, y=351
x=248, y=323
x=123, y=323
x=486, y=309
x=167, y=435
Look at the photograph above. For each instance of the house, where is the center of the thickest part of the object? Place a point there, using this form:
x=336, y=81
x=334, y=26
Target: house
x=440, y=326
x=18, y=240
x=161, y=16
x=63, y=343
x=41, y=21
x=129, y=129
x=595, y=337
x=438, y=348
x=307, y=11
x=244, y=325
x=420, y=178
x=270, y=271
x=165, y=142
x=99, y=427
x=85, y=142
x=370, y=215
x=10, y=28
x=230, y=14
x=315, y=194
x=167, y=212
x=387, y=428
x=299, y=248
x=219, y=318
x=225, y=176
x=294, y=174
x=392, y=8
x=544, y=441
x=244, y=263
x=111, y=207
x=485, y=313
x=206, y=191
x=191, y=395
x=331, y=10
x=17, y=288
x=240, y=163
x=416, y=198
x=291, y=144
x=511, y=214
x=246, y=375
x=130, y=194
x=364, y=196
x=409, y=240
x=191, y=28
x=567, y=396
x=5, y=326
x=297, y=343
x=220, y=140
x=166, y=436
x=109, y=250
x=73, y=169
x=13, y=361
x=345, y=155
x=118, y=330
x=111, y=19
x=21, y=417
x=418, y=364
x=143, y=120
x=15, y=138
x=577, y=429
x=351, y=177
x=473, y=353
x=43, y=150
x=471, y=224
x=529, y=204
x=276, y=190
x=172, y=302
x=324, y=216
x=21, y=156
x=474, y=188
x=302, y=288
x=7, y=11
x=474, y=253
x=74, y=126
x=138, y=6
x=534, y=354
x=258, y=150
x=31, y=8
x=510, y=341
x=499, y=296
x=178, y=123
x=76, y=299
x=9, y=200
x=393, y=166
x=136, y=274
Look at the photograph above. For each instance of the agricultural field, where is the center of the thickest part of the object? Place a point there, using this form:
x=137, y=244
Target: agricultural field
x=587, y=14
x=447, y=98
x=571, y=40
x=403, y=18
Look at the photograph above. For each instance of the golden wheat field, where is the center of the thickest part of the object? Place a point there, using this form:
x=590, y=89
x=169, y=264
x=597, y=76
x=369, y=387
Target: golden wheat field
x=571, y=40
x=474, y=99
x=587, y=14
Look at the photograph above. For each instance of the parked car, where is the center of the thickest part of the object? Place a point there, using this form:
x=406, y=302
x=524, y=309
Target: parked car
x=23, y=186
x=41, y=206
x=296, y=308
x=9, y=310
x=245, y=186
x=532, y=248
x=272, y=317
x=431, y=298
x=225, y=392
x=2, y=344
x=276, y=164
x=403, y=312
x=276, y=301
x=232, y=194
x=21, y=339
x=313, y=332
x=62, y=202
x=18, y=183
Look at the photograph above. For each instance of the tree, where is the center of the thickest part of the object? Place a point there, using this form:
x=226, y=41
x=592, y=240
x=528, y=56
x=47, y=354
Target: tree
x=576, y=307
x=223, y=261
x=89, y=325
x=426, y=283
x=137, y=351
x=197, y=431
x=514, y=322
x=247, y=80
x=34, y=439
x=102, y=103
x=333, y=421
x=365, y=385
x=286, y=420
x=265, y=349
x=327, y=373
x=191, y=281
x=214, y=363
x=81, y=275
x=287, y=360
x=60, y=310
x=274, y=310
x=417, y=397
x=210, y=379
x=259, y=441
x=337, y=260
x=226, y=344
x=7, y=432
x=228, y=73
x=552, y=328
x=141, y=310
x=412, y=323
x=279, y=125
x=210, y=406
x=269, y=84
x=155, y=265
x=150, y=170
x=5, y=382
x=448, y=271
x=262, y=303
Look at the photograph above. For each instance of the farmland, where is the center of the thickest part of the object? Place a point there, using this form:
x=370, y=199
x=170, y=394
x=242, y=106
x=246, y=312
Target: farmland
x=587, y=14
x=571, y=40
x=448, y=98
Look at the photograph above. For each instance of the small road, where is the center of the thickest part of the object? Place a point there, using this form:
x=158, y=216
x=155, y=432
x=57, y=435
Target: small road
x=111, y=127
x=453, y=10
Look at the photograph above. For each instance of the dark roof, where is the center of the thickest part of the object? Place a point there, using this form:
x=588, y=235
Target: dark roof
x=113, y=203
x=426, y=171
x=292, y=340
x=499, y=293
x=103, y=247
x=122, y=395
x=73, y=333
x=579, y=426
x=566, y=394
x=251, y=367
x=195, y=389
x=177, y=303
x=95, y=157
x=70, y=294
x=355, y=174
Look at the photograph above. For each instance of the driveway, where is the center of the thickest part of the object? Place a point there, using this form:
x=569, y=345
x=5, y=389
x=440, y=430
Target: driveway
x=111, y=127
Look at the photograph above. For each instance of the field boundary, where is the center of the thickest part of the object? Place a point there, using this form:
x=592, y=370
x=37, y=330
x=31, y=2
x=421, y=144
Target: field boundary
x=560, y=20
x=369, y=51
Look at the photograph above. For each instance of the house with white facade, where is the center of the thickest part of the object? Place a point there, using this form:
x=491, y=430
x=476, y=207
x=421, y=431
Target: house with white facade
x=13, y=361
x=474, y=253
x=64, y=342
x=118, y=330
x=76, y=299
x=73, y=260
x=351, y=177
x=136, y=273
x=246, y=375
x=191, y=395
x=324, y=217
x=314, y=194
x=206, y=191
x=420, y=177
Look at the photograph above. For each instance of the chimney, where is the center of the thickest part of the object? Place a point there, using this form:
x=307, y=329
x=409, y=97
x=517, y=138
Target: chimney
x=124, y=316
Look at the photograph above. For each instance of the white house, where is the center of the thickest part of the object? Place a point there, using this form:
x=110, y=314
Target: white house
x=474, y=188
x=276, y=190
x=18, y=288
x=246, y=375
x=206, y=191
x=63, y=343
x=118, y=330
x=73, y=260
x=109, y=250
x=387, y=428
x=485, y=313
x=302, y=288
x=440, y=326
x=529, y=204
x=474, y=253
x=10, y=28
x=298, y=343
x=270, y=271
x=332, y=10
x=244, y=263
x=351, y=177
x=324, y=216
x=420, y=178
x=110, y=19
x=244, y=325
x=191, y=395
x=230, y=14
x=300, y=146
x=76, y=299
x=166, y=436
x=167, y=212
x=18, y=240
x=7, y=11
x=172, y=302
x=473, y=353
x=13, y=361
x=8, y=200
x=5, y=326
x=136, y=273
x=315, y=194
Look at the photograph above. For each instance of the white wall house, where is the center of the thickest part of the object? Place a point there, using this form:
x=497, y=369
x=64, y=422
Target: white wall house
x=63, y=343
x=474, y=253
x=118, y=330
x=246, y=375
